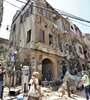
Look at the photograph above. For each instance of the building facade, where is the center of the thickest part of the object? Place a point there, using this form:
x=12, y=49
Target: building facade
x=1, y=11
x=45, y=39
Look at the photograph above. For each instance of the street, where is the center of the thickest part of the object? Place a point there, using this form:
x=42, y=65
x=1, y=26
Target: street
x=53, y=95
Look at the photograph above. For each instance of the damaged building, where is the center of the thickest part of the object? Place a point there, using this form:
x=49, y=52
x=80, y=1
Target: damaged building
x=47, y=40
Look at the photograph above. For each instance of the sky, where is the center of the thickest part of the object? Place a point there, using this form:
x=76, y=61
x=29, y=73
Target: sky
x=78, y=8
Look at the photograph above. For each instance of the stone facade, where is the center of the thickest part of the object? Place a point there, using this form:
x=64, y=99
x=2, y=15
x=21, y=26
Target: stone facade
x=46, y=39
x=1, y=11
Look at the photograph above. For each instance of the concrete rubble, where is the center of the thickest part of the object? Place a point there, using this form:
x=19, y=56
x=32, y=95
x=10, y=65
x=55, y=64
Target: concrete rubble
x=48, y=94
x=53, y=90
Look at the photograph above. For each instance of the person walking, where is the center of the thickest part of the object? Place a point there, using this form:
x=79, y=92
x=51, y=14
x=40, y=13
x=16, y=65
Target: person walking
x=86, y=82
x=34, y=81
x=1, y=81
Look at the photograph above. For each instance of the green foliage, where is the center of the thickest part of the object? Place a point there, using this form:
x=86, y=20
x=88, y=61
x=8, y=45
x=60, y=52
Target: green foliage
x=8, y=65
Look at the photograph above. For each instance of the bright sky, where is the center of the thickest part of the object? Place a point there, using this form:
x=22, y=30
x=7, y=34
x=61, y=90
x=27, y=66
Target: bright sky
x=78, y=8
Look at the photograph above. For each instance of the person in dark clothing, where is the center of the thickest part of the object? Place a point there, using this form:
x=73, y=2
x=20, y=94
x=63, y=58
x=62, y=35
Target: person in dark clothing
x=1, y=79
x=64, y=69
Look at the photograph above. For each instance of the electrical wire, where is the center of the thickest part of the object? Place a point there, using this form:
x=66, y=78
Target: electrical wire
x=47, y=9
x=21, y=1
x=19, y=8
x=59, y=11
x=62, y=13
x=12, y=4
x=80, y=23
x=41, y=8
x=72, y=16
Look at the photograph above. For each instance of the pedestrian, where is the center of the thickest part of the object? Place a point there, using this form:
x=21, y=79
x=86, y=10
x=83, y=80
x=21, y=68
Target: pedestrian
x=86, y=82
x=1, y=80
x=34, y=81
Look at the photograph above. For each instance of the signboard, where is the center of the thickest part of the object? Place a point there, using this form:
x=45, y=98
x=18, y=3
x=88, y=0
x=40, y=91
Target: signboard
x=26, y=72
x=12, y=56
x=25, y=77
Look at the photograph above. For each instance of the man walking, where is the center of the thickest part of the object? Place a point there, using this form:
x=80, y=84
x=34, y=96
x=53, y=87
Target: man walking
x=86, y=83
x=1, y=80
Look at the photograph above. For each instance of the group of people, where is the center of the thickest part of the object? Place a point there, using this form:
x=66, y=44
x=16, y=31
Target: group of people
x=34, y=81
x=85, y=79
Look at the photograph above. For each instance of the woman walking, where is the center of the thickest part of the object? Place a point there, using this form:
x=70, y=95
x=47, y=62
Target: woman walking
x=35, y=82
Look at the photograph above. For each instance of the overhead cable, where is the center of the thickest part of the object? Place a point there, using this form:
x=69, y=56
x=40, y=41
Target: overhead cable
x=64, y=13
x=80, y=23
x=12, y=4
x=59, y=11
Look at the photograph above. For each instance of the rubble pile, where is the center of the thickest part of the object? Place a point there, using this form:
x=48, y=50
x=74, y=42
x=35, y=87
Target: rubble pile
x=60, y=87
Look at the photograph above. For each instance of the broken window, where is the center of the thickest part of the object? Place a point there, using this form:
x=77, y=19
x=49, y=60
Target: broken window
x=30, y=9
x=66, y=47
x=21, y=19
x=29, y=36
x=42, y=36
x=72, y=27
x=50, y=39
x=14, y=27
x=74, y=50
x=60, y=43
x=66, y=25
x=26, y=14
x=80, y=50
x=60, y=47
x=40, y=7
x=56, y=41
x=85, y=53
x=70, y=49
x=41, y=11
x=88, y=55
x=48, y=14
x=44, y=13
x=11, y=44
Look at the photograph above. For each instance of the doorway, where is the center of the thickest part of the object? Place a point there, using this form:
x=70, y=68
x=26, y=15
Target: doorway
x=47, y=69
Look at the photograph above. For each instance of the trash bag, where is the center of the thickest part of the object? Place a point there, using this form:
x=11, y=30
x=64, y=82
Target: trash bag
x=33, y=92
